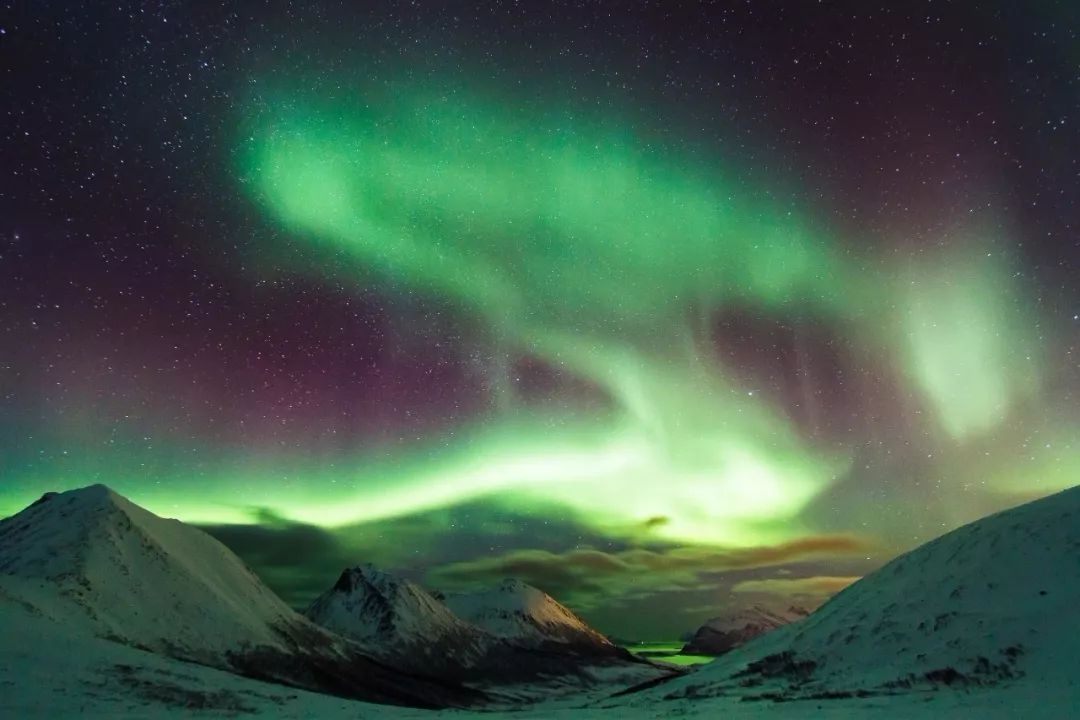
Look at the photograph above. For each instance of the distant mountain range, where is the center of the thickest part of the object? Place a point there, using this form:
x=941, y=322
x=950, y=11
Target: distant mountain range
x=513, y=634
x=99, y=565
x=737, y=627
x=981, y=622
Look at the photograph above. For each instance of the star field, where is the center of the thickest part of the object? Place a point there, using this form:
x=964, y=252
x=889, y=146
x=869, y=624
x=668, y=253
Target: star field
x=642, y=304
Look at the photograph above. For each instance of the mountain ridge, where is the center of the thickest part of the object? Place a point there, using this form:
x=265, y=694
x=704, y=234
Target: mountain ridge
x=517, y=639
x=991, y=603
x=401, y=619
x=737, y=626
x=100, y=565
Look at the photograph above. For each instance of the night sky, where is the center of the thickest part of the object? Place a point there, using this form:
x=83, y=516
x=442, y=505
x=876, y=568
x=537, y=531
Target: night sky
x=661, y=307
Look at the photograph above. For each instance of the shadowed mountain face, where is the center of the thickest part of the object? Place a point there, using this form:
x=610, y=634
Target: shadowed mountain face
x=991, y=603
x=100, y=565
x=509, y=635
x=400, y=620
x=726, y=632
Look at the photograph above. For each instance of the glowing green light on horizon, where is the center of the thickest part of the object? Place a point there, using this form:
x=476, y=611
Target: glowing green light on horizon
x=577, y=246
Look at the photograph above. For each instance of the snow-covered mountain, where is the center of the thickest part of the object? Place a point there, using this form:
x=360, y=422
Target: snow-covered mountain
x=91, y=558
x=991, y=604
x=527, y=616
x=989, y=609
x=532, y=647
x=97, y=564
x=400, y=621
x=737, y=627
x=46, y=672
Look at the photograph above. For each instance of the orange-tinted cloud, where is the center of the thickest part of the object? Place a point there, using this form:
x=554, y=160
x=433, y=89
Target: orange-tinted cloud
x=818, y=585
x=587, y=577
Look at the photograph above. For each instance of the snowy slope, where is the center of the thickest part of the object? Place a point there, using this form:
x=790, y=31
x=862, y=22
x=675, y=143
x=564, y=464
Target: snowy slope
x=522, y=614
x=1000, y=567
x=135, y=577
x=992, y=604
x=47, y=672
x=399, y=620
x=737, y=627
x=97, y=564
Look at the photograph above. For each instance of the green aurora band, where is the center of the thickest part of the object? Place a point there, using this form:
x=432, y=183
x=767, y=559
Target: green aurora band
x=578, y=245
x=605, y=256
x=968, y=343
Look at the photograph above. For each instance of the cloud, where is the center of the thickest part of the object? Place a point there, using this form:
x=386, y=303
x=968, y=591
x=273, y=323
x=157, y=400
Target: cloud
x=638, y=592
x=297, y=561
x=300, y=561
x=818, y=585
x=587, y=578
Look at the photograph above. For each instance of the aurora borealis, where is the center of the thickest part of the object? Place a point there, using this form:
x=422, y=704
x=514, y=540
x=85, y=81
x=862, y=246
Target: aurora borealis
x=428, y=206
x=711, y=307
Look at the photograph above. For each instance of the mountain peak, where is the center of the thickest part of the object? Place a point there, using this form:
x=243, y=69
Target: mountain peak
x=94, y=490
x=736, y=626
x=514, y=585
x=103, y=566
x=78, y=501
x=366, y=573
x=988, y=603
x=95, y=493
x=492, y=634
x=519, y=612
x=397, y=619
x=54, y=535
x=92, y=541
